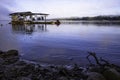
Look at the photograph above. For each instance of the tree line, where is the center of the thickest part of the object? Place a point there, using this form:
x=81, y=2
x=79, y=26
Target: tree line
x=109, y=18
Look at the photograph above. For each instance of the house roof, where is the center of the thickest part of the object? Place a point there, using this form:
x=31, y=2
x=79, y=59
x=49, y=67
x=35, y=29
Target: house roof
x=27, y=13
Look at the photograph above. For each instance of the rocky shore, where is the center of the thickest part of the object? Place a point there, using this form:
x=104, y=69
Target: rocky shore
x=13, y=68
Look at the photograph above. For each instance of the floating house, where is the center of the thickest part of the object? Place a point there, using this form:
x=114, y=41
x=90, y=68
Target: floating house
x=29, y=18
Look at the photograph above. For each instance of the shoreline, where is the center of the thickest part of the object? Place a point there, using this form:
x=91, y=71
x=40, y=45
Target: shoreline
x=12, y=67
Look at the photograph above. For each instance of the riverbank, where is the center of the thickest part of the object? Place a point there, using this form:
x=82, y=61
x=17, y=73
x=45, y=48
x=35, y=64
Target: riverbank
x=12, y=67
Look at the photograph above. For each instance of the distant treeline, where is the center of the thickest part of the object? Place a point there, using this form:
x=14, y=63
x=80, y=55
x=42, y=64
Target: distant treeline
x=109, y=18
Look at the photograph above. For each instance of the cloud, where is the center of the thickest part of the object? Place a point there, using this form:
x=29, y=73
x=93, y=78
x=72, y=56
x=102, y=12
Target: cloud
x=67, y=8
x=4, y=13
x=63, y=8
x=5, y=6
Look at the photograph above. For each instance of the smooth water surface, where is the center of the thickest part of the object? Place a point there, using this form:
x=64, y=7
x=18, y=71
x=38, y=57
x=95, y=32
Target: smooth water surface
x=63, y=44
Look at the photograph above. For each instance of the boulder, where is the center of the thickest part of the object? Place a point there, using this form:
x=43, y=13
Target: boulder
x=10, y=72
x=11, y=60
x=1, y=54
x=10, y=56
x=63, y=78
x=95, y=76
x=21, y=63
x=26, y=69
x=2, y=68
x=12, y=53
x=1, y=61
x=23, y=78
x=111, y=74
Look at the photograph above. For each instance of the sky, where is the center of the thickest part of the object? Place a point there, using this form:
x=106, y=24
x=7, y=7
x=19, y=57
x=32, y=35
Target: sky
x=61, y=8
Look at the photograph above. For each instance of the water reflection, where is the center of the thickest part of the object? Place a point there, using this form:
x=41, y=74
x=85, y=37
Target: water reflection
x=29, y=28
x=101, y=23
x=52, y=44
x=96, y=23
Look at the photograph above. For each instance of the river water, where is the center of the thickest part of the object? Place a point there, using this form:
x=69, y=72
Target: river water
x=67, y=43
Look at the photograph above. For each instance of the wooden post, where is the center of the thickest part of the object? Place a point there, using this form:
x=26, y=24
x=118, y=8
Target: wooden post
x=45, y=21
x=35, y=17
x=30, y=17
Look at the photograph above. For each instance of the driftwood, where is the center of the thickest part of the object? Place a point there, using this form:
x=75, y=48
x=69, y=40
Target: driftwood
x=100, y=61
x=92, y=54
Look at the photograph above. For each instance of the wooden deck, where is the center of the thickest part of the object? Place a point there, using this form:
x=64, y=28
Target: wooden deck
x=30, y=22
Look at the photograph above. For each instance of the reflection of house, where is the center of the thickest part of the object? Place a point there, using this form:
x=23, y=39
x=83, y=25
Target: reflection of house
x=29, y=29
x=28, y=17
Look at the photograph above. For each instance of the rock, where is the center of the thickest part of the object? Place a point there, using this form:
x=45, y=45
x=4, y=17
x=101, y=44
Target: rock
x=21, y=63
x=23, y=78
x=8, y=53
x=62, y=78
x=1, y=61
x=2, y=68
x=111, y=74
x=12, y=53
x=97, y=69
x=95, y=76
x=26, y=70
x=10, y=56
x=1, y=54
x=36, y=77
x=10, y=72
x=11, y=60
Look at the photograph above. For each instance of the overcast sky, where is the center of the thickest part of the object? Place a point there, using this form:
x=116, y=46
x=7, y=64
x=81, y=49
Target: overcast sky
x=61, y=8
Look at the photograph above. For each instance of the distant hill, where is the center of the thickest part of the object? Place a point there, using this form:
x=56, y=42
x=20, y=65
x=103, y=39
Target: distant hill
x=108, y=18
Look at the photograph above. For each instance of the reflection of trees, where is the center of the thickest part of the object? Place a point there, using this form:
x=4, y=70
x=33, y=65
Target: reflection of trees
x=96, y=23
x=100, y=23
x=29, y=29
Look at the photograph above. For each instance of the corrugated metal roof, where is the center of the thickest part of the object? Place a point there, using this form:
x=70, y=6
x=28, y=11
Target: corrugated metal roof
x=27, y=13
